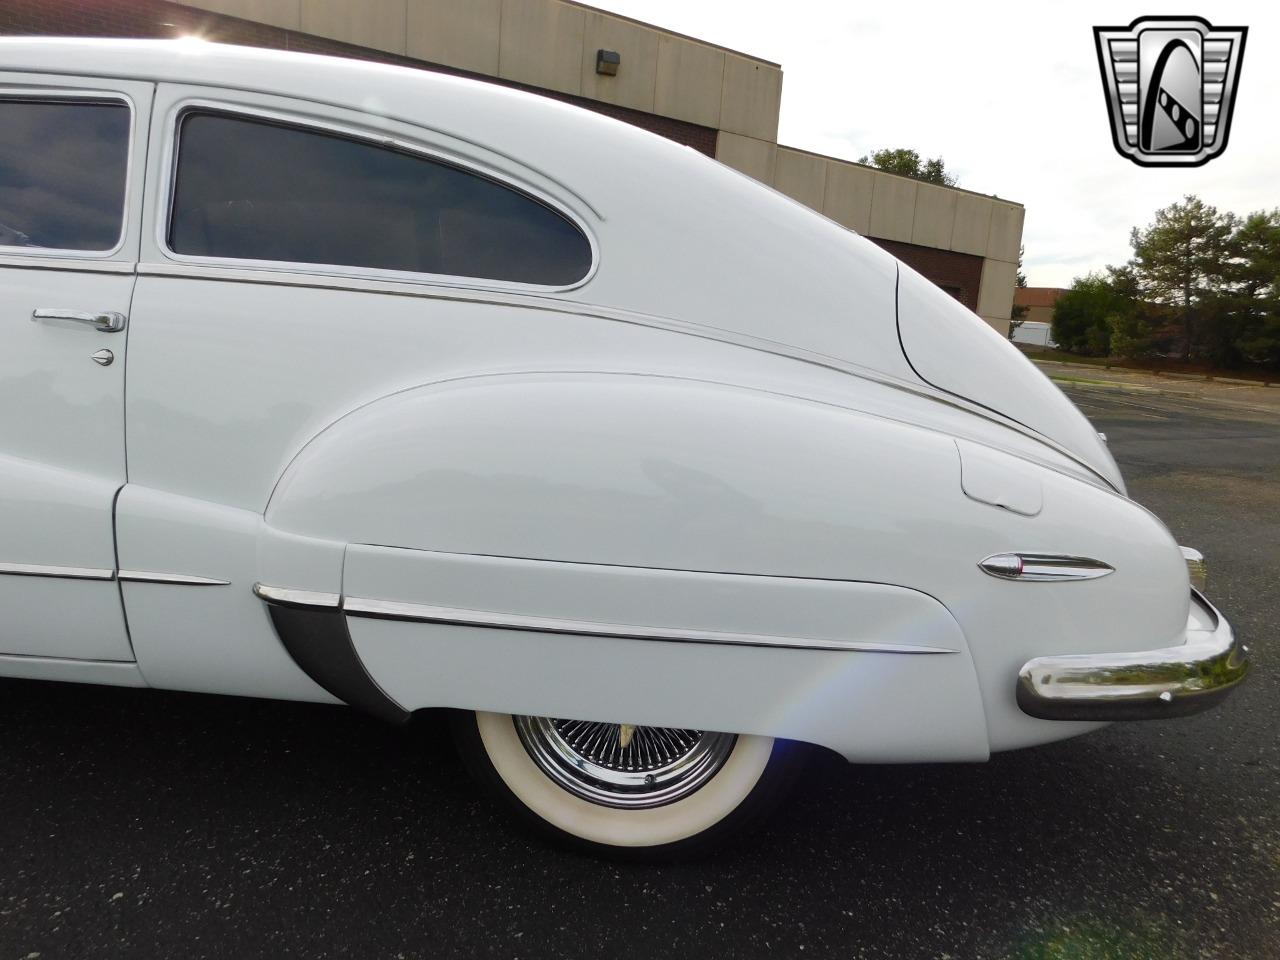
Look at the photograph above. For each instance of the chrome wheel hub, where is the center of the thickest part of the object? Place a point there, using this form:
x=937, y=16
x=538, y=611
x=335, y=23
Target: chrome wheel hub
x=623, y=765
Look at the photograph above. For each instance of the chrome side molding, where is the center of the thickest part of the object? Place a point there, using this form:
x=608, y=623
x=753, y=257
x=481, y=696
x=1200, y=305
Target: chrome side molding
x=65, y=573
x=287, y=597
x=139, y=576
x=455, y=616
x=1043, y=567
x=103, y=573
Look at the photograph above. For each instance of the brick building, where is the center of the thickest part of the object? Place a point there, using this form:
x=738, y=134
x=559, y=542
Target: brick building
x=719, y=101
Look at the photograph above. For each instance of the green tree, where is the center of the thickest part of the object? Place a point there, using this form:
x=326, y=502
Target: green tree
x=1180, y=260
x=1130, y=335
x=907, y=163
x=1246, y=316
x=1081, y=315
x=1018, y=315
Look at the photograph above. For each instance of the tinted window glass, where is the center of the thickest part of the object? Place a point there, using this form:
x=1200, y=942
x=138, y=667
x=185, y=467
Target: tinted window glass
x=62, y=174
x=257, y=190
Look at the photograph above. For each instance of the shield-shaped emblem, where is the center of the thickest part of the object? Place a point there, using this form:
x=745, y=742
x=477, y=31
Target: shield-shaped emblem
x=1170, y=84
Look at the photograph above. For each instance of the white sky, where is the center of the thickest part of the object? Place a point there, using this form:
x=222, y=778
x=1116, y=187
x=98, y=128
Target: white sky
x=1008, y=94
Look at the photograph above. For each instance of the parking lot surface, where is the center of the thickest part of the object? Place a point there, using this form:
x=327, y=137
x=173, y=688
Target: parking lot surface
x=150, y=824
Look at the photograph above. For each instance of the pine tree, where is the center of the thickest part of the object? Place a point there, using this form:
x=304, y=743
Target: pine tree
x=1180, y=260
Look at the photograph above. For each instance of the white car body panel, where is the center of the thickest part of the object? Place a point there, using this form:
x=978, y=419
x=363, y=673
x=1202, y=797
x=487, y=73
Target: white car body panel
x=956, y=351
x=62, y=454
x=717, y=431
x=64, y=670
x=215, y=638
x=917, y=703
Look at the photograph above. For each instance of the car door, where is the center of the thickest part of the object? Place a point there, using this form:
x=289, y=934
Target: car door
x=70, y=197
x=291, y=273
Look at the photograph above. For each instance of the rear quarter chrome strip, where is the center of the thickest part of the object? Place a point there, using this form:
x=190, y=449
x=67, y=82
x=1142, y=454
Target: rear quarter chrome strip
x=460, y=617
x=454, y=616
x=297, y=598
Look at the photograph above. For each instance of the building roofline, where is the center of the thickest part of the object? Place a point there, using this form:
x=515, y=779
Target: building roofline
x=890, y=173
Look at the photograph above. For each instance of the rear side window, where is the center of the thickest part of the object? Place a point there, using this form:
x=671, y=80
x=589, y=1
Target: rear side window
x=259, y=190
x=62, y=173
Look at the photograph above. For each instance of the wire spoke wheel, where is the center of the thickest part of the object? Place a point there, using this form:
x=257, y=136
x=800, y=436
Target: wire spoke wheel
x=623, y=765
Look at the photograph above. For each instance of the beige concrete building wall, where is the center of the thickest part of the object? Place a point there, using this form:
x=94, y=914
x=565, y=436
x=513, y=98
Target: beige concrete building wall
x=378, y=24
x=801, y=176
x=934, y=219
x=550, y=44
x=848, y=194
x=636, y=84
x=459, y=33
x=690, y=81
x=750, y=98
x=541, y=44
x=755, y=158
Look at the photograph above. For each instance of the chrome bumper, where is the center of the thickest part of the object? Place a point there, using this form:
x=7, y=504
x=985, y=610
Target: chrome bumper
x=1148, y=685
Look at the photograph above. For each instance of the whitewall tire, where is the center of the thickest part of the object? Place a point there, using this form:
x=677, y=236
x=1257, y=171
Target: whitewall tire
x=626, y=791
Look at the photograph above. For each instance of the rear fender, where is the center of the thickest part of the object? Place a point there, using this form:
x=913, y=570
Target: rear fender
x=648, y=550
x=667, y=475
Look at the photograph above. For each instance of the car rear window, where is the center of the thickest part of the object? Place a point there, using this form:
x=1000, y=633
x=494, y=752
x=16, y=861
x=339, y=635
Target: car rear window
x=63, y=167
x=251, y=189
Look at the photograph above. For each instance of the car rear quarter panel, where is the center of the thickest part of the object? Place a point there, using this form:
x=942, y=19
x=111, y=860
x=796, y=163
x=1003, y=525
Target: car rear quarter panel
x=662, y=473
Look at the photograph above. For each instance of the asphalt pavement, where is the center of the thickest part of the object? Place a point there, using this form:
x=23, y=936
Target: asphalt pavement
x=146, y=824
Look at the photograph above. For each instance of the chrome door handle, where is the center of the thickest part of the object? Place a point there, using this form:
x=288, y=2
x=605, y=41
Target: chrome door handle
x=107, y=322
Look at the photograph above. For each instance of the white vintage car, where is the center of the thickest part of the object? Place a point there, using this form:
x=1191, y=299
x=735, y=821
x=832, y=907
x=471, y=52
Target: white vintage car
x=328, y=381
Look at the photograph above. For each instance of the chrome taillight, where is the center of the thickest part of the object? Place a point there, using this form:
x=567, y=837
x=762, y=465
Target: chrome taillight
x=1043, y=567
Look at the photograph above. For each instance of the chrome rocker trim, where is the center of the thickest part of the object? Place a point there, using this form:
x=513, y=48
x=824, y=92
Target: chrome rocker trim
x=1145, y=685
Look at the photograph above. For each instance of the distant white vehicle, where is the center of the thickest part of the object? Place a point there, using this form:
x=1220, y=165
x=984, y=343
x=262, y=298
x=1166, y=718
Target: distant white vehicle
x=1034, y=333
x=349, y=383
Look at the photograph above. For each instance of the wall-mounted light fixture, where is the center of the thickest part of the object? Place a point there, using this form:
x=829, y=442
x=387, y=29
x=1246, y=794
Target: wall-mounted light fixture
x=607, y=62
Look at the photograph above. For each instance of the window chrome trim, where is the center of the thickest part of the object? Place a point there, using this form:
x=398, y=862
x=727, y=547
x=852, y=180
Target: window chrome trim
x=456, y=616
x=10, y=92
x=169, y=182
x=60, y=261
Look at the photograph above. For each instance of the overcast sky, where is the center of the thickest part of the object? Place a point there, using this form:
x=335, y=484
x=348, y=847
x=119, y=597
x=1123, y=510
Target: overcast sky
x=1007, y=93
